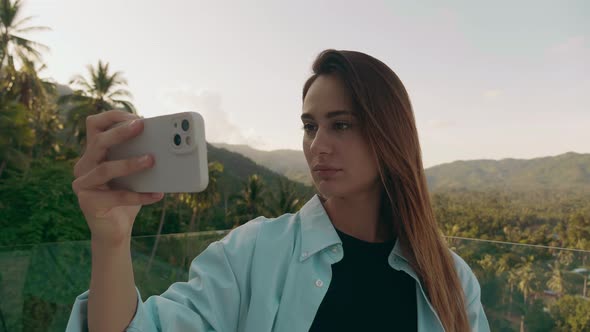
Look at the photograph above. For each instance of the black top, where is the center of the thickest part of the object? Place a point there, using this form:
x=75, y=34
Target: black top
x=366, y=293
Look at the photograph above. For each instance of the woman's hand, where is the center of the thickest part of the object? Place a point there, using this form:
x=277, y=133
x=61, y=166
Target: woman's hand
x=110, y=214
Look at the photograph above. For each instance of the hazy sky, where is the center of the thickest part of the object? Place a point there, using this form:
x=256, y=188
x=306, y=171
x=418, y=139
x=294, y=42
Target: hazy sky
x=501, y=79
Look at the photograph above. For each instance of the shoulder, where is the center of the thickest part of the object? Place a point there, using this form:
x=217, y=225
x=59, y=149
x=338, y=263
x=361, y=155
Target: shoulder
x=243, y=239
x=469, y=281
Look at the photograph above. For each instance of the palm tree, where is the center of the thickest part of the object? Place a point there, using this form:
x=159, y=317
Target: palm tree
x=21, y=85
x=38, y=97
x=286, y=201
x=12, y=27
x=249, y=203
x=160, y=226
x=513, y=279
x=101, y=91
x=526, y=277
x=555, y=282
x=205, y=199
x=501, y=266
x=488, y=264
x=200, y=202
x=16, y=134
x=565, y=257
x=32, y=90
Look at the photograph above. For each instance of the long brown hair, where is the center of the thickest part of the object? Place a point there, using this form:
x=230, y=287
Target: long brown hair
x=387, y=120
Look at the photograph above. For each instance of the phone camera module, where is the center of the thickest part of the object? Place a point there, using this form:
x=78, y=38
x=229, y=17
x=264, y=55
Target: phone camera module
x=177, y=140
x=185, y=125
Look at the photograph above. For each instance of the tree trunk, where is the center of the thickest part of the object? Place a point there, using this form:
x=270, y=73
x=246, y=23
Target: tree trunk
x=521, y=323
x=198, y=225
x=3, y=321
x=187, y=247
x=2, y=167
x=162, y=217
x=191, y=225
x=510, y=304
x=225, y=208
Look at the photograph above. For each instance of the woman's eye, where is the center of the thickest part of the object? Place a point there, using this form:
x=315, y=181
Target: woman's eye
x=308, y=127
x=342, y=125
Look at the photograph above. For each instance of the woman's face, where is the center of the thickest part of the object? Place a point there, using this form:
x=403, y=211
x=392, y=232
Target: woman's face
x=338, y=156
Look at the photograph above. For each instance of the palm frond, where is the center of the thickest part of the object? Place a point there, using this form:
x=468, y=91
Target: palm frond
x=8, y=12
x=120, y=93
x=30, y=29
x=75, y=98
x=30, y=45
x=128, y=106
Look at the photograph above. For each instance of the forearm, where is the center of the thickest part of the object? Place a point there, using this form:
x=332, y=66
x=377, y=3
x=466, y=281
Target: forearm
x=112, y=297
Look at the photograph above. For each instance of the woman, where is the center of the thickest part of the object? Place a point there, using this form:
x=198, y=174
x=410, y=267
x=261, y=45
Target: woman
x=365, y=253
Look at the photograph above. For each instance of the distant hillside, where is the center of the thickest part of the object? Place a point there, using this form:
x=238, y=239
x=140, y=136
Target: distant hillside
x=63, y=90
x=290, y=163
x=237, y=169
x=569, y=171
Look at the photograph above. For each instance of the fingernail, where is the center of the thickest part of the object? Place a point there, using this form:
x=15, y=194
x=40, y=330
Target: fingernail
x=134, y=123
x=157, y=195
x=145, y=159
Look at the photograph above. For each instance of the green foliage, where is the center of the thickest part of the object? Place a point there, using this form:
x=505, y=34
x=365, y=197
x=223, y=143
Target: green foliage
x=537, y=319
x=17, y=137
x=250, y=202
x=40, y=206
x=571, y=314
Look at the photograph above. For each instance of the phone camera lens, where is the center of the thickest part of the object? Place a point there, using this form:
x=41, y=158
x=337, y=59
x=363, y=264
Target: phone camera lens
x=177, y=139
x=185, y=125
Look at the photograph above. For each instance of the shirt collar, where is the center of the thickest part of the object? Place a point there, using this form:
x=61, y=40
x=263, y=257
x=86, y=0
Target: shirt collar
x=318, y=233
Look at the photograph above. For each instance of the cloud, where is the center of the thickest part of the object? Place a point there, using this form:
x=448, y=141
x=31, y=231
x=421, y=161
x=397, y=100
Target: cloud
x=440, y=124
x=492, y=93
x=218, y=126
x=572, y=46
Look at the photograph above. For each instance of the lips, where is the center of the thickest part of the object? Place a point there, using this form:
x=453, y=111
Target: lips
x=325, y=168
x=325, y=171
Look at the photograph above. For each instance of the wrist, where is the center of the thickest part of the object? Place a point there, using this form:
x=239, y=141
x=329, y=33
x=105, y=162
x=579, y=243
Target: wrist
x=102, y=245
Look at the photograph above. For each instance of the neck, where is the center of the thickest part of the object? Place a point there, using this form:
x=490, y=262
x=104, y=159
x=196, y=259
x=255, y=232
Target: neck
x=360, y=216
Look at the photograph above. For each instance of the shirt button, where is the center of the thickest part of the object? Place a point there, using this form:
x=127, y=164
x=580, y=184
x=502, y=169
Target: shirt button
x=304, y=254
x=334, y=249
x=319, y=283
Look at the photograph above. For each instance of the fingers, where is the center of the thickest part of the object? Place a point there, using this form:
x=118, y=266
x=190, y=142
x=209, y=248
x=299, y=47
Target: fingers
x=97, y=203
x=99, y=144
x=104, y=140
x=109, y=170
x=100, y=122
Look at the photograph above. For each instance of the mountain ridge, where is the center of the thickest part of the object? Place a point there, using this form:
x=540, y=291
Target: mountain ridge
x=569, y=170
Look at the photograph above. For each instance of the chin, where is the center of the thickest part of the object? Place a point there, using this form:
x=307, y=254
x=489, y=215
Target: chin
x=343, y=189
x=331, y=189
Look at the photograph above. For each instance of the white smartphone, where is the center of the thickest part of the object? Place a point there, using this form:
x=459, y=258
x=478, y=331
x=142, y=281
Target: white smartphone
x=177, y=143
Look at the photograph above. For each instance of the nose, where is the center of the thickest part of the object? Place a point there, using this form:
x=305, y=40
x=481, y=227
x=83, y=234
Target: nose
x=321, y=143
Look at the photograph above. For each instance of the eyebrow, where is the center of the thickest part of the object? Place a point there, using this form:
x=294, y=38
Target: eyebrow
x=329, y=115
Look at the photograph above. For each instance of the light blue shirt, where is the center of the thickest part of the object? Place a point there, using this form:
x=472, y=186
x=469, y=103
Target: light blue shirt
x=270, y=275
